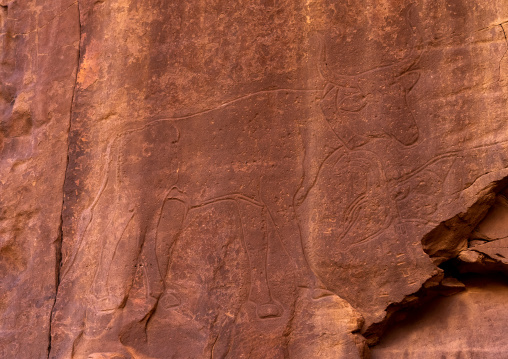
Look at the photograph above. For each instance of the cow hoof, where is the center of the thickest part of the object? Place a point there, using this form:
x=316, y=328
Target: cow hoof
x=319, y=293
x=169, y=300
x=106, y=356
x=269, y=310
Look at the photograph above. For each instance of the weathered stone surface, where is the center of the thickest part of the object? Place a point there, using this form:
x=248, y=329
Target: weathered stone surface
x=264, y=179
x=38, y=64
x=488, y=244
x=466, y=325
x=495, y=224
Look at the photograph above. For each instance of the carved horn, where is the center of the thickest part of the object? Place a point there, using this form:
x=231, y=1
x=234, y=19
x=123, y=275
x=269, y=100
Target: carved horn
x=404, y=64
x=331, y=76
x=388, y=71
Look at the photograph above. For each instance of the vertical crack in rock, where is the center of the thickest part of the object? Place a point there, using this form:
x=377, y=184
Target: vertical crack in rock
x=59, y=240
x=58, y=263
x=447, y=246
x=501, y=25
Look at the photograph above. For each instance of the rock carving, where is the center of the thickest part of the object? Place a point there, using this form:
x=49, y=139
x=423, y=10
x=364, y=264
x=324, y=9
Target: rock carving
x=247, y=171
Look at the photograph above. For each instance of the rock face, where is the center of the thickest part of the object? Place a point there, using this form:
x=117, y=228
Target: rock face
x=39, y=57
x=438, y=331
x=262, y=179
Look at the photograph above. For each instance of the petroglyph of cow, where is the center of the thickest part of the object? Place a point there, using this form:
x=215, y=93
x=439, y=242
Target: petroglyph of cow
x=254, y=151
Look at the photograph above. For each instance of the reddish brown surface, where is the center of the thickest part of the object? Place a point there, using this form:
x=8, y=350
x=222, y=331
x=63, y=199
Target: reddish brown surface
x=243, y=180
x=440, y=330
x=39, y=57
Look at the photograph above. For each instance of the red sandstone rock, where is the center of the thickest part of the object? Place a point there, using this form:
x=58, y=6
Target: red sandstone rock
x=39, y=54
x=265, y=179
x=467, y=324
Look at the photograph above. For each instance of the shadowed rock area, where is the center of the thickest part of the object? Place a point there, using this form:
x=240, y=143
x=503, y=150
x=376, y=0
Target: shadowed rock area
x=253, y=179
x=465, y=325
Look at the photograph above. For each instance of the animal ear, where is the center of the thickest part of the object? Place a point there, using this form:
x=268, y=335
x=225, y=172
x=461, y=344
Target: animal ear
x=408, y=80
x=352, y=103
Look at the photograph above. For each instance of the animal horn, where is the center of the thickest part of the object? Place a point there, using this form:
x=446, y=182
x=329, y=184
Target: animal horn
x=404, y=64
x=332, y=76
x=388, y=71
x=416, y=52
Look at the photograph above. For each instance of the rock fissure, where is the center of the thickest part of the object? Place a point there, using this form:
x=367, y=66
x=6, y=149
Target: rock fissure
x=447, y=319
x=450, y=237
x=59, y=241
x=506, y=42
x=58, y=264
x=457, y=247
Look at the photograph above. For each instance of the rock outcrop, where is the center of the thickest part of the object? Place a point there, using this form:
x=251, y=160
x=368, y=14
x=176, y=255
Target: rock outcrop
x=253, y=179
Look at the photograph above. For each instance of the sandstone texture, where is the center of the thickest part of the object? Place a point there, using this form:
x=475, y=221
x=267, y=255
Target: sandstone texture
x=439, y=330
x=253, y=179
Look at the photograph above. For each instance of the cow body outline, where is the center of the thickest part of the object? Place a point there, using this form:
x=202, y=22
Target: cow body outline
x=176, y=194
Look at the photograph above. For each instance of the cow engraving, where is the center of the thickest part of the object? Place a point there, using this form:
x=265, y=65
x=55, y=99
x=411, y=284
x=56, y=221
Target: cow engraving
x=254, y=152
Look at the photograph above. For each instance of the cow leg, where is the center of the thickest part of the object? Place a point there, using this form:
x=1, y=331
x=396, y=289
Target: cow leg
x=169, y=227
x=284, y=219
x=111, y=281
x=253, y=218
x=113, y=278
x=163, y=225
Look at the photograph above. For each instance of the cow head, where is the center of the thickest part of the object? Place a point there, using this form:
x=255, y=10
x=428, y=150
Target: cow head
x=371, y=104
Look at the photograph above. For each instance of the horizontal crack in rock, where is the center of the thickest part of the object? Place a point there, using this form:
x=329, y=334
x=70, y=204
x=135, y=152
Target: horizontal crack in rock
x=450, y=237
x=447, y=246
